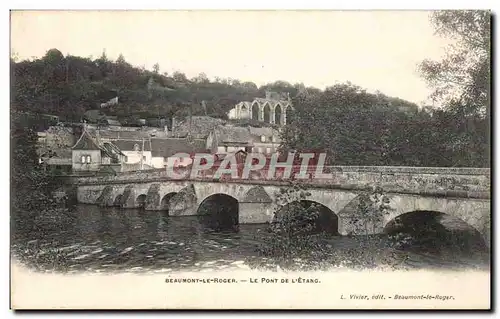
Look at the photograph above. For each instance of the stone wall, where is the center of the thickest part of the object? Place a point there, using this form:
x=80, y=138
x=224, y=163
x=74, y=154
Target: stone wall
x=258, y=202
x=440, y=182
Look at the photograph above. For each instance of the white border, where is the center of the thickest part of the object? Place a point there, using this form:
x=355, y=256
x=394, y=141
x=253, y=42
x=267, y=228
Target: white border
x=184, y=4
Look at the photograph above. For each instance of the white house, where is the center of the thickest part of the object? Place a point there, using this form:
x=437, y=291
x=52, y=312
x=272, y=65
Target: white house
x=136, y=151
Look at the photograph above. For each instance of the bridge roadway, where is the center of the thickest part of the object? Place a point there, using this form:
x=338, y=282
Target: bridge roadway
x=462, y=193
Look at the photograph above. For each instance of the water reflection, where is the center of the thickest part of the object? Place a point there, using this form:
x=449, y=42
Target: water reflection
x=103, y=239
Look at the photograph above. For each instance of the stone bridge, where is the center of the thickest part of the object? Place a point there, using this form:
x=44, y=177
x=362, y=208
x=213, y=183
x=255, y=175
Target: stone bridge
x=460, y=193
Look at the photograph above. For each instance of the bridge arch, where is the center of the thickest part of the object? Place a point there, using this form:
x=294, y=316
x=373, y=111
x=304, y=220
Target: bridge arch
x=475, y=213
x=140, y=201
x=205, y=190
x=335, y=201
x=165, y=201
x=434, y=229
x=219, y=212
x=308, y=213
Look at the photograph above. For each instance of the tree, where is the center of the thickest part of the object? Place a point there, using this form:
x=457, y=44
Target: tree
x=179, y=77
x=121, y=59
x=202, y=78
x=291, y=229
x=31, y=186
x=462, y=78
x=349, y=124
x=53, y=56
x=156, y=68
x=462, y=83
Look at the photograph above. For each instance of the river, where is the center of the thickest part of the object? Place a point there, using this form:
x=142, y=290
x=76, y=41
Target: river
x=133, y=240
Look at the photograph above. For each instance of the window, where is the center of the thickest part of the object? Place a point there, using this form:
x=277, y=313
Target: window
x=83, y=159
x=274, y=138
x=268, y=150
x=88, y=159
x=144, y=158
x=263, y=138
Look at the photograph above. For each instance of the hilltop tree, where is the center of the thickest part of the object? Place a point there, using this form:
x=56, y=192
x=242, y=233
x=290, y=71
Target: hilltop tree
x=121, y=59
x=156, y=68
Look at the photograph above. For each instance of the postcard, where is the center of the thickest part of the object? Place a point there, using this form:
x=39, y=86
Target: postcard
x=176, y=159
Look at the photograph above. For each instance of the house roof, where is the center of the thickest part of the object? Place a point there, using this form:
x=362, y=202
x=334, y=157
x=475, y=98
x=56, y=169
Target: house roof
x=201, y=126
x=111, y=148
x=60, y=130
x=86, y=142
x=233, y=134
x=137, y=134
x=166, y=147
x=129, y=144
x=55, y=152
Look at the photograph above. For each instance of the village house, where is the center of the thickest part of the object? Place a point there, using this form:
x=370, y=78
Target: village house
x=265, y=139
x=54, y=149
x=231, y=139
x=136, y=151
x=103, y=150
x=165, y=149
x=89, y=156
x=131, y=149
x=198, y=127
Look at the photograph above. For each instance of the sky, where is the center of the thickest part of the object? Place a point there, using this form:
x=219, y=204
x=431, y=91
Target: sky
x=377, y=50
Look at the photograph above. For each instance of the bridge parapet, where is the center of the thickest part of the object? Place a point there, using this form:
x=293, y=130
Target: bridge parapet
x=430, y=181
